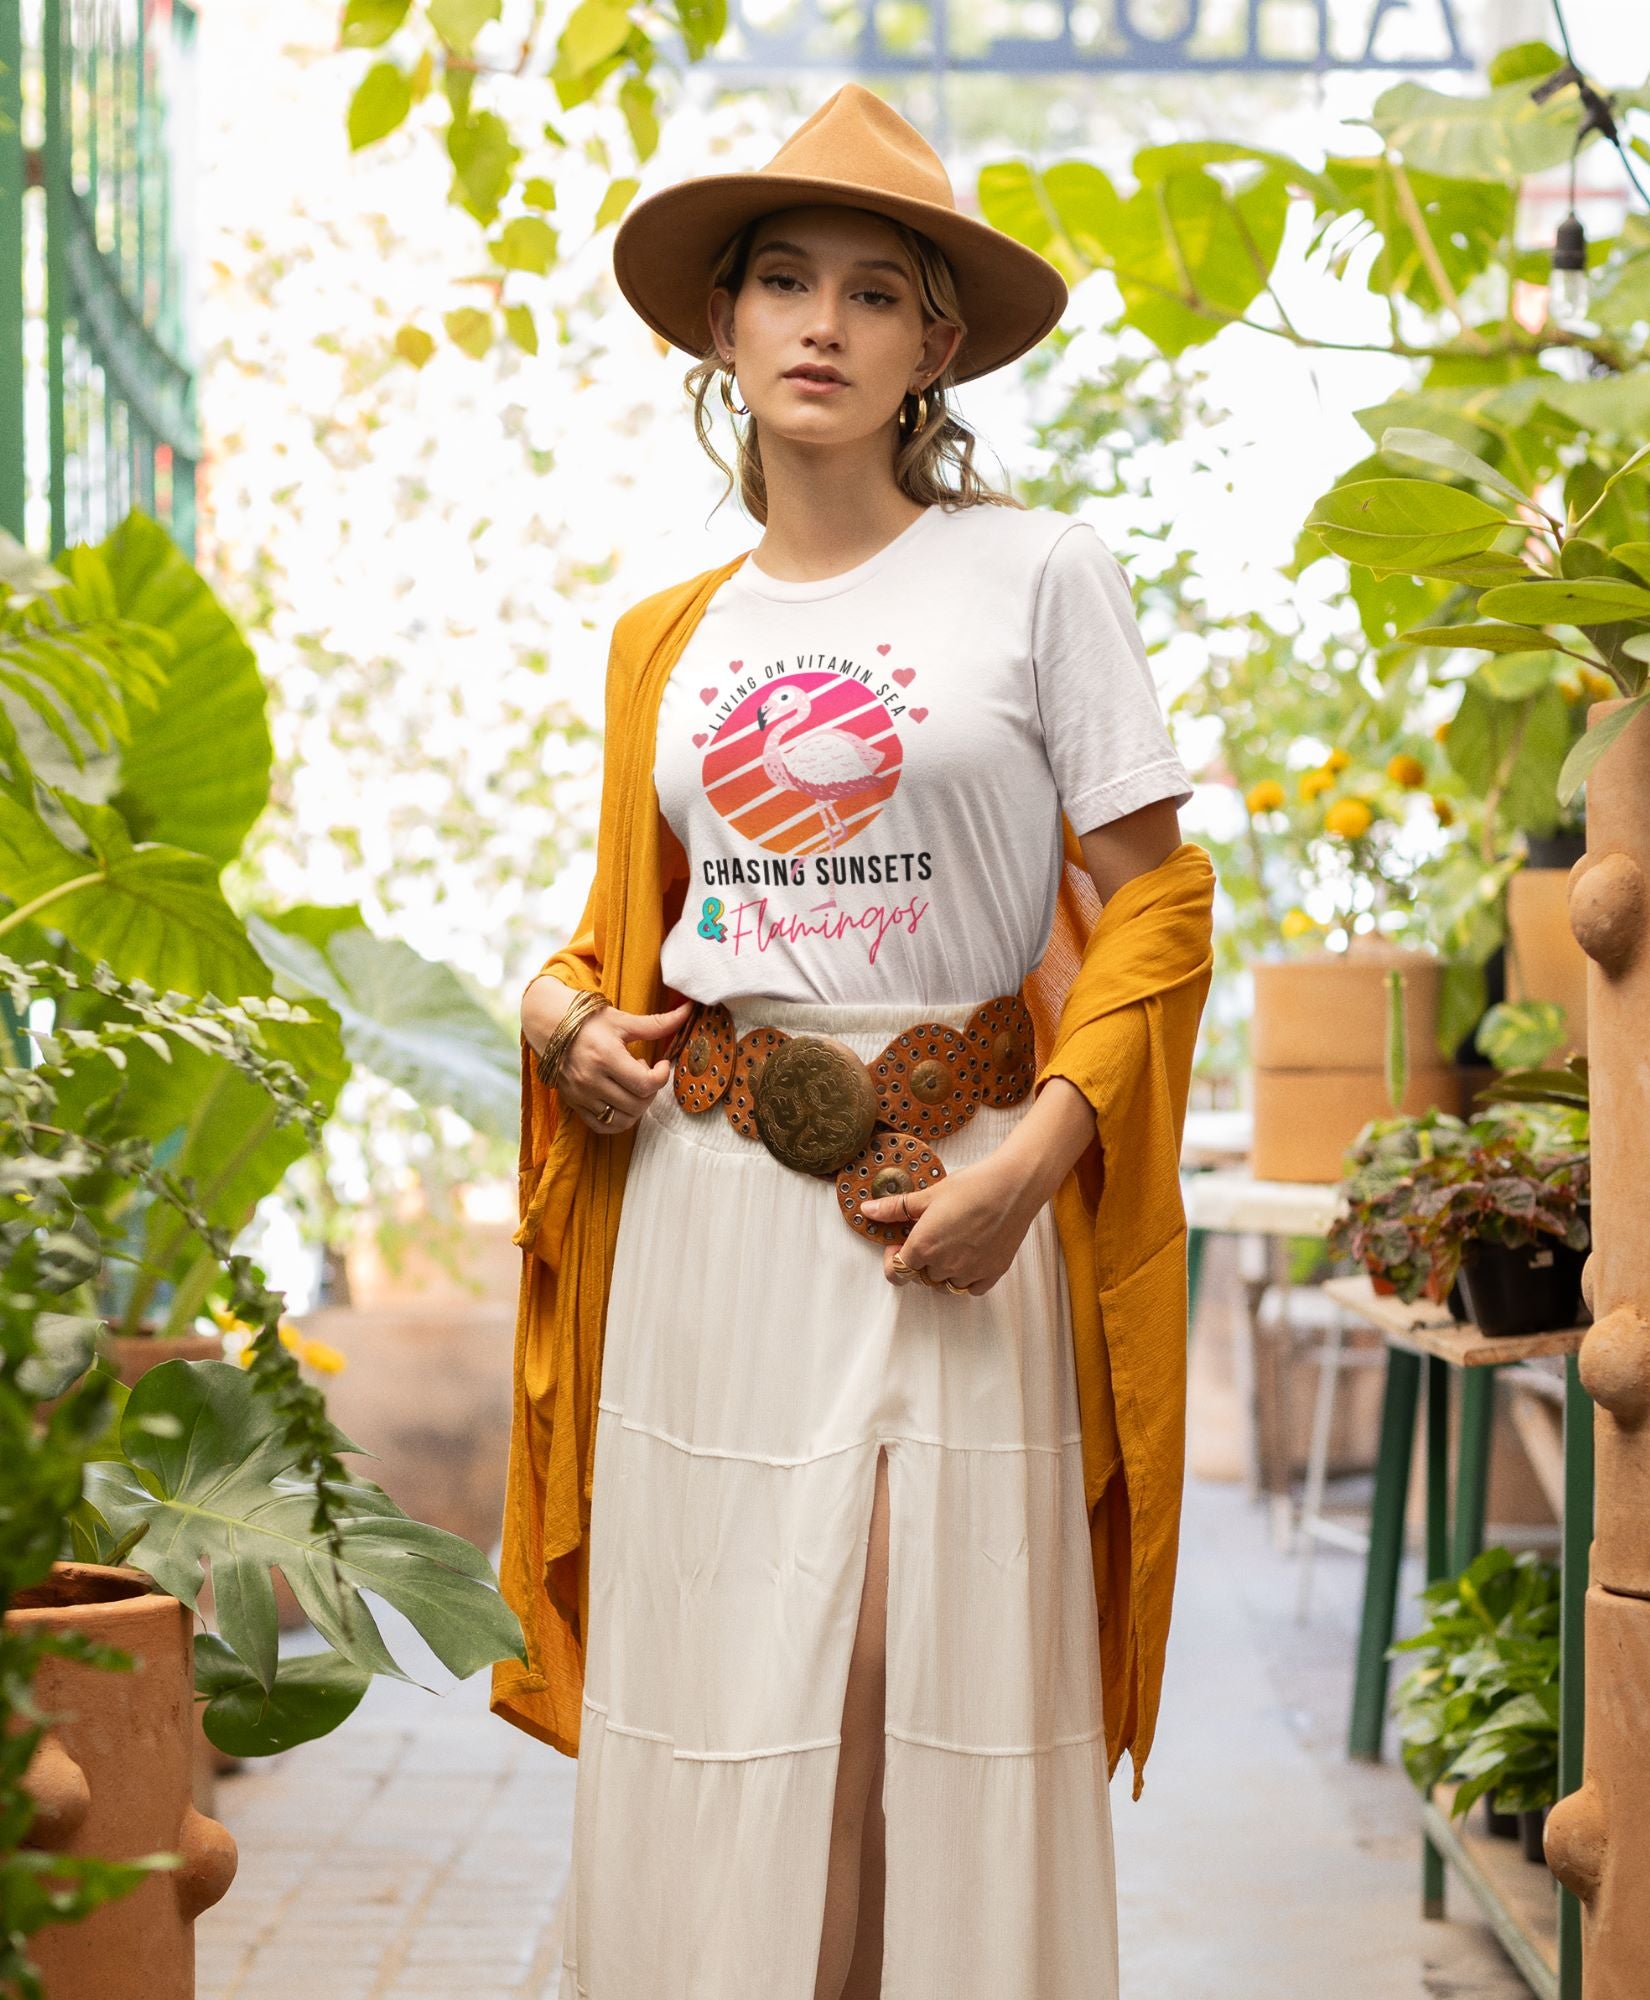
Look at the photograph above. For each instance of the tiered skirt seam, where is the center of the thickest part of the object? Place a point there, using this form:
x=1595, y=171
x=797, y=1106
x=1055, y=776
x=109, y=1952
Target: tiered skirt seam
x=831, y=1451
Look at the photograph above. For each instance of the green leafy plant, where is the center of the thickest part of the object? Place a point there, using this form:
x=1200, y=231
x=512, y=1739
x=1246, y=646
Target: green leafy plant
x=1411, y=1220
x=1479, y=1704
x=238, y=1466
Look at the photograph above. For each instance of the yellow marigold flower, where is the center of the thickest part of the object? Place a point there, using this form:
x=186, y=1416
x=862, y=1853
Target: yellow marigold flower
x=1441, y=733
x=1444, y=810
x=1314, y=783
x=226, y=1322
x=245, y=1355
x=1599, y=686
x=289, y=1334
x=1296, y=923
x=1572, y=691
x=1406, y=770
x=1348, y=819
x=1337, y=760
x=1264, y=796
x=320, y=1355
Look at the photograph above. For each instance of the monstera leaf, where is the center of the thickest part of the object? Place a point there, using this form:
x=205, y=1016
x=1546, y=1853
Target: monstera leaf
x=195, y=772
x=313, y=1693
x=205, y=1474
x=150, y=910
x=406, y=1018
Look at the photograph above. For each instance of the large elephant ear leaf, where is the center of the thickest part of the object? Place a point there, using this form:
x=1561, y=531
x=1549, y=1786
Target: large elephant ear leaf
x=406, y=1018
x=206, y=1468
x=312, y=1695
x=195, y=771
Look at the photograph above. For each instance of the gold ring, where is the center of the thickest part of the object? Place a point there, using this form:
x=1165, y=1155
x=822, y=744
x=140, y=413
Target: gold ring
x=955, y=1288
x=605, y=1115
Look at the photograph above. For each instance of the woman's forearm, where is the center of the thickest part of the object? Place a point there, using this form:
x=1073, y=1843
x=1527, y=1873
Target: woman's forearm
x=543, y=1004
x=1046, y=1143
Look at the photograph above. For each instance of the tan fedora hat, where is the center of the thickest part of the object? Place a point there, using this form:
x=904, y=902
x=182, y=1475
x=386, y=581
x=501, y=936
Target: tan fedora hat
x=854, y=152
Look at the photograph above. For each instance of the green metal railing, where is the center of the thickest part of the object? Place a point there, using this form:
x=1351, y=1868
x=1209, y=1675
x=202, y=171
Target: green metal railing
x=94, y=242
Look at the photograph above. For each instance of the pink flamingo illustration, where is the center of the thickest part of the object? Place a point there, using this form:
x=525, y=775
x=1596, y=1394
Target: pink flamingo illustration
x=825, y=764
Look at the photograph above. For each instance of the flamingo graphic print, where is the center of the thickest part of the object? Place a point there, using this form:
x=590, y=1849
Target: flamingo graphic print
x=804, y=763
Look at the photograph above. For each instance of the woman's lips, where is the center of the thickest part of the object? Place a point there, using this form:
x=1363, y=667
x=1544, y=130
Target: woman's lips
x=815, y=384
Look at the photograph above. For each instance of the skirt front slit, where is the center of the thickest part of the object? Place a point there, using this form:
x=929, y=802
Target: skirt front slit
x=755, y=1360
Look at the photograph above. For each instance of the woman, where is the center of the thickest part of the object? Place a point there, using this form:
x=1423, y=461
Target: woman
x=843, y=1728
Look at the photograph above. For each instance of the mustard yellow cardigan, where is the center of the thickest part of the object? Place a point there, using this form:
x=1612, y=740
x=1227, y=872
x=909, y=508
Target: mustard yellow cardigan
x=1115, y=1003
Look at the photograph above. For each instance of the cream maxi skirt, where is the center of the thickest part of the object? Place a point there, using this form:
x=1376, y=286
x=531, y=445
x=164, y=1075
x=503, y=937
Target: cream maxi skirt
x=756, y=1359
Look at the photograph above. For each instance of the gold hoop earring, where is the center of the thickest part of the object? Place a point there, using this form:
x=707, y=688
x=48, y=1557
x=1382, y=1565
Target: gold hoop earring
x=723, y=380
x=922, y=412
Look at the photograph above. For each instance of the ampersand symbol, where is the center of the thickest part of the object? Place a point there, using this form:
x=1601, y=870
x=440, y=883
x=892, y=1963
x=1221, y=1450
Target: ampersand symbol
x=709, y=926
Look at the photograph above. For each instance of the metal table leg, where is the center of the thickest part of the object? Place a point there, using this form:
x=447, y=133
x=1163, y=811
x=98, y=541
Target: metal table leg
x=1386, y=1548
x=1472, y=1474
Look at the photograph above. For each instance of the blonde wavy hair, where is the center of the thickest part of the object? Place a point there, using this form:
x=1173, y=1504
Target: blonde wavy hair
x=934, y=466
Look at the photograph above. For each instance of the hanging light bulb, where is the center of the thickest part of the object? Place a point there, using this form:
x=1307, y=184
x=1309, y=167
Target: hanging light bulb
x=1568, y=293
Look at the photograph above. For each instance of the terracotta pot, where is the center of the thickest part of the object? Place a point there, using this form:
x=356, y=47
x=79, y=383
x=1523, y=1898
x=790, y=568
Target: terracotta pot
x=1544, y=962
x=131, y=1356
x=112, y=1777
x=1318, y=1048
x=1384, y=1288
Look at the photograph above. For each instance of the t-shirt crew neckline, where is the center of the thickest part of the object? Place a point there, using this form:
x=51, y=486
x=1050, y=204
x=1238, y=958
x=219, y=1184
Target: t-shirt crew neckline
x=795, y=590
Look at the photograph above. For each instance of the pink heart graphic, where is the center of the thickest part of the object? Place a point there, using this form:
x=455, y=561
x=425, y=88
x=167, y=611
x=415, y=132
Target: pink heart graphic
x=734, y=666
x=883, y=649
x=708, y=695
x=700, y=739
x=917, y=714
x=905, y=675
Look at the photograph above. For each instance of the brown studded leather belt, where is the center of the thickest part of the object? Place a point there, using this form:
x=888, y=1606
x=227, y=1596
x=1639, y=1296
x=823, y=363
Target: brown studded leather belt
x=821, y=1109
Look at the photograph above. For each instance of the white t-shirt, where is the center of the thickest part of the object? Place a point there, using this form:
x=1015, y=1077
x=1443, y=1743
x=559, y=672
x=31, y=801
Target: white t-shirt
x=867, y=772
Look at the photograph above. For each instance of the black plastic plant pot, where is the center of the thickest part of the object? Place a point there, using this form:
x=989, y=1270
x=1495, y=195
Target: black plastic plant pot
x=1456, y=1303
x=1535, y=1288
x=1504, y=1825
x=1531, y=1826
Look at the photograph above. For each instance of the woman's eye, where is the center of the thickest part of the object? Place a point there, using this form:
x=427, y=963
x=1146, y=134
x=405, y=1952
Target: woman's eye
x=881, y=298
x=778, y=278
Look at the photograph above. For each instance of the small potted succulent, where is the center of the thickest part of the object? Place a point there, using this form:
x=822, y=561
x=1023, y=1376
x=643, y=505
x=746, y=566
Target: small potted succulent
x=1479, y=1706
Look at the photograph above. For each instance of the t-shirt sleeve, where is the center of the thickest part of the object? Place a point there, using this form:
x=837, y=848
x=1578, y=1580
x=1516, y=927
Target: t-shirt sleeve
x=1103, y=728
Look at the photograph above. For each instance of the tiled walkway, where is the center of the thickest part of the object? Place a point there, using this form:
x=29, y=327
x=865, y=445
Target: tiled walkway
x=420, y=1850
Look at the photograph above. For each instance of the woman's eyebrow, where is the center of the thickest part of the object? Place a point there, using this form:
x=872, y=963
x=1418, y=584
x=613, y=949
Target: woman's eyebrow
x=860, y=263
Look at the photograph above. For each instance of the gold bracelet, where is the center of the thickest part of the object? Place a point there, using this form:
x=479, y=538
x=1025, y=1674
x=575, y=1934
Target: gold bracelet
x=582, y=1006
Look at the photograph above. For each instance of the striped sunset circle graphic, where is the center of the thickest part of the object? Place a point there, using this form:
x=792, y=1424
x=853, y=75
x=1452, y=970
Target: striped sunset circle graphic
x=803, y=764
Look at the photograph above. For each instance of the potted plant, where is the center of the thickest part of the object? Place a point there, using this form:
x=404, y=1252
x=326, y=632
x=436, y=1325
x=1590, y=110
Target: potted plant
x=1479, y=1705
x=118, y=1499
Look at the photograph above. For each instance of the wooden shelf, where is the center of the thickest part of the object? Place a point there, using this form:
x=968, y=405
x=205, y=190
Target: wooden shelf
x=1428, y=1329
x=1519, y=1898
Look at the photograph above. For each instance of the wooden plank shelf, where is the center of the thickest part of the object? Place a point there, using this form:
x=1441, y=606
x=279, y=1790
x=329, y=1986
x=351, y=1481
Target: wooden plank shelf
x=1424, y=1328
x=1519, y=1898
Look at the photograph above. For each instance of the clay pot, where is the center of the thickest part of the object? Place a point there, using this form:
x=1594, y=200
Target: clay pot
x=1544, y=962
x=112, y=1777
x=1318, y=1048
x=131, y=1356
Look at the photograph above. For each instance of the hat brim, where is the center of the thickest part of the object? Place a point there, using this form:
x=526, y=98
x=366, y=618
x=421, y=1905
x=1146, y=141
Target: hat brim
x=667, y=245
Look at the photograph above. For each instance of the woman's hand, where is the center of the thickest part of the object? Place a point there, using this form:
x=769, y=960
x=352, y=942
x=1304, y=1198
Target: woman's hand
x=597, y=1069
x=967, y=1226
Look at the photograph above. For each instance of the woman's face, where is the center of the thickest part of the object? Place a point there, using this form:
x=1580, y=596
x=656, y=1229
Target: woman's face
x=827, y=334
